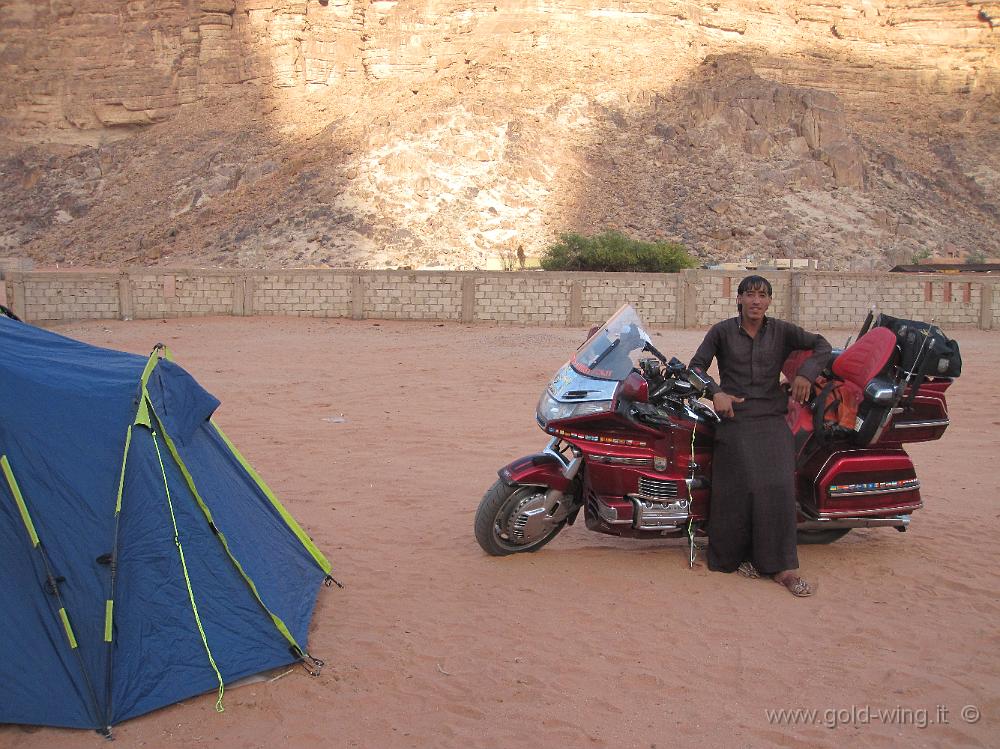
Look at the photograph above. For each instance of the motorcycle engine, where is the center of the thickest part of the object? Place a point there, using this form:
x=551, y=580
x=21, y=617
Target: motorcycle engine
x=652, y=515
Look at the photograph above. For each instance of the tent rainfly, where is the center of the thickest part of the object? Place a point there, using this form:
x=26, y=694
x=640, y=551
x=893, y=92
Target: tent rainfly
x=144, y=561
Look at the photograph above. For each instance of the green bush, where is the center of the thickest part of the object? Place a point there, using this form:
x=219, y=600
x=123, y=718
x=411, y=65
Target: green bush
x=614, y=252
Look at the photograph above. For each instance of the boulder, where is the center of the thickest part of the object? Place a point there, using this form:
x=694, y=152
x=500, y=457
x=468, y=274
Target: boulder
x=758, y=143
x=847, y=162
x=819, y=126
x=798, y=146
x=719, y=206
x=809, y=175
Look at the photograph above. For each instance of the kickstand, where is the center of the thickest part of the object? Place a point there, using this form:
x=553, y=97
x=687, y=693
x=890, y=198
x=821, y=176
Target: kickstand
x=692, y=547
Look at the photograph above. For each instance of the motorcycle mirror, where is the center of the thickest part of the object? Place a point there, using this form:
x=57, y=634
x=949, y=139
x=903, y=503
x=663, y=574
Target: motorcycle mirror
x=590, y=335
x=697, y=379
x=650, y=368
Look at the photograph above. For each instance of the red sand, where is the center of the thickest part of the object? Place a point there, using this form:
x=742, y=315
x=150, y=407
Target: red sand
x=381, y=437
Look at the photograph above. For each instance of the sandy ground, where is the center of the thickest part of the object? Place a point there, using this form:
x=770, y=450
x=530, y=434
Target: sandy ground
x=381, y=437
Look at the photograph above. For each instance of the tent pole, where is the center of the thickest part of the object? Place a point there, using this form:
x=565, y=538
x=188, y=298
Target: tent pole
x=51, y=583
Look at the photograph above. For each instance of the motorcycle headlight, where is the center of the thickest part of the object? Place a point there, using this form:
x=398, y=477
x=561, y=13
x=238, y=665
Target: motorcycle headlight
x=549, y=409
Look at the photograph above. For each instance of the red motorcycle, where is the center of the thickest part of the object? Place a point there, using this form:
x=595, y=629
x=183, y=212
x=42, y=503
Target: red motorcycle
x=631, y=441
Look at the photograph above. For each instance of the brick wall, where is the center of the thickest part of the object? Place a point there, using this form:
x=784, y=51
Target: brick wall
x=696, y=298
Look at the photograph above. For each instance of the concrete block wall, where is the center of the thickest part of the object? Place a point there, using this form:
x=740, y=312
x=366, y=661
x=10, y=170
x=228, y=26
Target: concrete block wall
x=992, y=322
x=656, y=297
x=58, y=296
x=693, y=298
x=843, y=300
x=299, y=293
x=853, y=297
x=412, y=296
x=524, y=298
x=181, y=294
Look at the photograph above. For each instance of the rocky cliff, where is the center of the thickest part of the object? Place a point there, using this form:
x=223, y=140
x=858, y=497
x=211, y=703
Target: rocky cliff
x=445, y=132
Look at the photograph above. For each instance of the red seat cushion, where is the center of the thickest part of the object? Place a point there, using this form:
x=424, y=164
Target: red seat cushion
x=866, y=357
x=798, y=418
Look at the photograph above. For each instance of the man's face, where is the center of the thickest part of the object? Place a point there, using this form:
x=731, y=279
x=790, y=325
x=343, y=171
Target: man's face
x=755, y=303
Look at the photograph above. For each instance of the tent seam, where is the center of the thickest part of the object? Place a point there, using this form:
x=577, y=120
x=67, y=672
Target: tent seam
x=187, y=579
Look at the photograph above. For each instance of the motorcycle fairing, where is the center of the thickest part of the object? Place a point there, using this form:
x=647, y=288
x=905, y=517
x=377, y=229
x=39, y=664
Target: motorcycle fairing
x=538, y=469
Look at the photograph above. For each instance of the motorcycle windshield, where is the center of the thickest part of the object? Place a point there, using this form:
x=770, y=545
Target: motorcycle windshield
x=616, y=347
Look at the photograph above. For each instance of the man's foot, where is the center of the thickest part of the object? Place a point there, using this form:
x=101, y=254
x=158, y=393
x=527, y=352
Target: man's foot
x=748, y=570
x=795, y=584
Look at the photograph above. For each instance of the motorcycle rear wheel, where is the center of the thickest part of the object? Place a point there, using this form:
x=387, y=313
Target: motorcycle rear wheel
x=822, y=536
x=497, y=514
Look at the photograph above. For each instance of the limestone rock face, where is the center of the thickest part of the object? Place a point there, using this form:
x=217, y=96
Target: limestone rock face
x=773, y=121
x=419, y=133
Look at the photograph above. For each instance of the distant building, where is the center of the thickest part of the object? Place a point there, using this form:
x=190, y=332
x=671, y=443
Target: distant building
x=770, y=263
x=947, y=268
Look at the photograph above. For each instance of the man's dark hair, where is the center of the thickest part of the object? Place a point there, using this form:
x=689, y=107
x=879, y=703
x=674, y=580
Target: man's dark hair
x=753, y=283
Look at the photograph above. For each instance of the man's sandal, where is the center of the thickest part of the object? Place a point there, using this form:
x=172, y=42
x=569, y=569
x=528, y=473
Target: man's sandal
x=796, y=585
x=748, y=570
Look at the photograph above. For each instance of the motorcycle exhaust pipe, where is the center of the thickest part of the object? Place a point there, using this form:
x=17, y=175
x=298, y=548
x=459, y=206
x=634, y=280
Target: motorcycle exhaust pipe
x=899, y=522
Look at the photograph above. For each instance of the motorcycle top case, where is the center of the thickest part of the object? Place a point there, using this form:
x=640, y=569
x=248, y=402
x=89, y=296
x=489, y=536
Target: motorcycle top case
x=942, y=359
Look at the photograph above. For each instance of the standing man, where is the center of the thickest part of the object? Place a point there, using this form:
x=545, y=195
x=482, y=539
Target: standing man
x=751, y=525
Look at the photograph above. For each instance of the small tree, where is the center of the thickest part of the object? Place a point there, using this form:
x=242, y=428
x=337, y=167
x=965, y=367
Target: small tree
x=612, y=251
x=508, y=260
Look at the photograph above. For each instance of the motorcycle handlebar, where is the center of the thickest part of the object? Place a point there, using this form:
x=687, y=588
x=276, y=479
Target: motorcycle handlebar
x=655, y=352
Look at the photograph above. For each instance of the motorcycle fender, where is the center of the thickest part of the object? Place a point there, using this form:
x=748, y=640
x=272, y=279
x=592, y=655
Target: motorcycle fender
x=539, y=469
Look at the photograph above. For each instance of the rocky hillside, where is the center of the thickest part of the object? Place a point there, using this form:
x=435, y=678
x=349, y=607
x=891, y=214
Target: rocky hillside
x=444, y=133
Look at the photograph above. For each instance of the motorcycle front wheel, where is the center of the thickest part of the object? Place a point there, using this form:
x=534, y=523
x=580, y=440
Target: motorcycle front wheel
x=511, y=519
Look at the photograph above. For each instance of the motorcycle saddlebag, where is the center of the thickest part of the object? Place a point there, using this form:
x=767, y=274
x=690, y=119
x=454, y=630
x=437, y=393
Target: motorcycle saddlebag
x=940, y=356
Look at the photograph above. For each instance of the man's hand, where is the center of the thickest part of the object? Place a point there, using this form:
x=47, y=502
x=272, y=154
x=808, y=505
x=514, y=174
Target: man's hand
x=801, y=389
x=723, y=403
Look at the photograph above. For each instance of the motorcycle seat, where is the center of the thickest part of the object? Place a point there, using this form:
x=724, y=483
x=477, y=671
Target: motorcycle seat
x=866, y=358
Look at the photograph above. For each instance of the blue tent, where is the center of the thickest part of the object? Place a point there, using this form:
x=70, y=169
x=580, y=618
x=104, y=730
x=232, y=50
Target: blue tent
x=142, y=560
